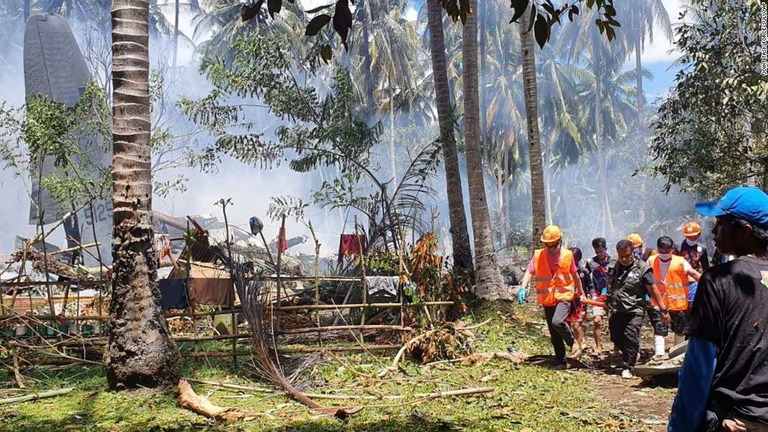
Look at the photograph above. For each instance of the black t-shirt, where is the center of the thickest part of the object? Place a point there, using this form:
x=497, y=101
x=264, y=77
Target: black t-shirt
x=627, y=286
x=731, y=310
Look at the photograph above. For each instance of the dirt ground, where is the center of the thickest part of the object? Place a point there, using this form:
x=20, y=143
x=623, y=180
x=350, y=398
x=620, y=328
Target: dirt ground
x=648, y=402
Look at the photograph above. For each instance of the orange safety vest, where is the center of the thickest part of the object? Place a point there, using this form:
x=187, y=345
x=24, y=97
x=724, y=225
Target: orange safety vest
x=553, y=286
x=674, y=288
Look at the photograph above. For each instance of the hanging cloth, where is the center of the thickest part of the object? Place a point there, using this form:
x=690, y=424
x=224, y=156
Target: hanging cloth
x=351, y=245
x=282, y=243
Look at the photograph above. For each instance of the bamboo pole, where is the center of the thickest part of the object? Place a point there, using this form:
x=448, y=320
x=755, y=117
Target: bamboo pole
x=360, y=305
x=317, y=279
x=230, y=264
x=211, y=338
x=36, y=396
x=74, y=248
x=215, y=354
x=276, y=309
x=365, y=284
x=309, y=349
x=61, y=283
x=434, y=395
x=187, y=282
x=346, y=327
x=50, y=317
x=239, y=310
x=230, y=386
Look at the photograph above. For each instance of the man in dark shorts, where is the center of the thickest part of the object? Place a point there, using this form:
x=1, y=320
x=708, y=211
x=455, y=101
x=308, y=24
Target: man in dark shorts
x=598, y=267
x=723, y=384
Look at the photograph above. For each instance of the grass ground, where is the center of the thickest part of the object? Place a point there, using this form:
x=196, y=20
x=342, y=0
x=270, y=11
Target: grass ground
x=526, y=398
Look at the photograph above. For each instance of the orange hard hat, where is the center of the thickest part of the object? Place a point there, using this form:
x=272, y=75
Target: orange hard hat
x=691, y=229
x=551, y=234
x=636, y=240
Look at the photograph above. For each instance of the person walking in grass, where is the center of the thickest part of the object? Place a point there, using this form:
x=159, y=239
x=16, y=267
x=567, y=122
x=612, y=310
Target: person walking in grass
x=578, y=310
x=557, y=283
x=629, y=280
x=598, y=269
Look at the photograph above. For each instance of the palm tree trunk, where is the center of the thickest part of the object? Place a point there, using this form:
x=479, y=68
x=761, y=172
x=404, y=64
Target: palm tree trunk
x=538, y=190
x=639, y=78
x=482, y=8
x=601, y=162
x=392, y=160
x=140, y=352
x=488, y=282
x=175, y=32
x=462, y=253
x=27, y=9
x=501, y=181
x=366, y=53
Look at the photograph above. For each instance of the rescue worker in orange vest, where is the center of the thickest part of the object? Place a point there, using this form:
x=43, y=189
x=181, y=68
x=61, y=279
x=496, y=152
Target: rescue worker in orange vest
x=693, y=251
x=671, y=274
x=557, y=283
x=638, y=250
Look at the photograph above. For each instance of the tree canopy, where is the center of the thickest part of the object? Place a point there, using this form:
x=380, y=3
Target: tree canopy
x=710, y=131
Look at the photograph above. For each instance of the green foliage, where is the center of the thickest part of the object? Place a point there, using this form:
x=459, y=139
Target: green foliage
x=526, y=397
x=315, y=131
x=318, y=130
x=711, y=131
x=74, y=138
x=546, y=14
x=78, y=140
x=286, y=206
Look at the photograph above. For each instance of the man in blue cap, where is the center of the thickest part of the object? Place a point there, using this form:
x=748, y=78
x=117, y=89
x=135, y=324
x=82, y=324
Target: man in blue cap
x=723, y=384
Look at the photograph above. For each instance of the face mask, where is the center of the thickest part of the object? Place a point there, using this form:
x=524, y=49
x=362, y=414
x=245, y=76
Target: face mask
x=690, y=242
x=665, y=256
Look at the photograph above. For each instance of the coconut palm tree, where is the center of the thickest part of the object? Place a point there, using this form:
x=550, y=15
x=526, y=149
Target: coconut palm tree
x=638, y=19
x=396, y=55
x=488, y=283
x=140, y=351
x=532, y=116
x=462, y=254
x=583, y=43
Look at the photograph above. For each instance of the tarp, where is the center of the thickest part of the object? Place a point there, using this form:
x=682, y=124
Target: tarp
x=209, y=284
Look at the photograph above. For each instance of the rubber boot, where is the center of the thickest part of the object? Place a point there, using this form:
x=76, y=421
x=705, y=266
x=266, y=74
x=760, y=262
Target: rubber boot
x=658, y=346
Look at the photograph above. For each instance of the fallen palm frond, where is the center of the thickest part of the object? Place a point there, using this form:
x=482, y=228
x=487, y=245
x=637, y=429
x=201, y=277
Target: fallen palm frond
x=257, y=307
x=441, y=344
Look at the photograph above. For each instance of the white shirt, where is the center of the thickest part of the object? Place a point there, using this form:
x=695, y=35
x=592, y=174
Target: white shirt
x=664, y=266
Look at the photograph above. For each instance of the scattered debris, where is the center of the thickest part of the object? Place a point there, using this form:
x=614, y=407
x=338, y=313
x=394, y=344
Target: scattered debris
x=258, y=311
x=190, y=400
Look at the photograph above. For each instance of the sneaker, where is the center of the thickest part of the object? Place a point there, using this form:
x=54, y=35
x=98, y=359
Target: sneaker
x=626, y=374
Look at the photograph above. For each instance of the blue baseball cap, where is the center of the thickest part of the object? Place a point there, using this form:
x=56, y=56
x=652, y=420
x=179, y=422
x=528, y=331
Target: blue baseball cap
x=746, y=203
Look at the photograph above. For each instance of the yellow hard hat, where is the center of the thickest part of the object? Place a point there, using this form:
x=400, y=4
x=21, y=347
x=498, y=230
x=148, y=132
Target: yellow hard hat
x=551, y=234
x=636, y=240
x=691, y=229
